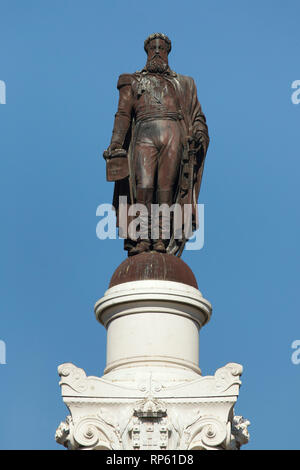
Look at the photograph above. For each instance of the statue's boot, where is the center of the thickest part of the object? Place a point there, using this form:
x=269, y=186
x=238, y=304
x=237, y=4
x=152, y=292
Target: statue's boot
x=164, y=222
x=159, y=246
x=144, y=196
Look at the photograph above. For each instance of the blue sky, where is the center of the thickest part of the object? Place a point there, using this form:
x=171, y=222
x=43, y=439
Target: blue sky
x=60, y=61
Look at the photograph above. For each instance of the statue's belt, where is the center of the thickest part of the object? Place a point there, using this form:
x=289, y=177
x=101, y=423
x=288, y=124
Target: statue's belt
x=154, y=116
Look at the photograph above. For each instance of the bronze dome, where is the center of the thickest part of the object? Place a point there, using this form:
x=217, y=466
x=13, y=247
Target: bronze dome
x=156, y=266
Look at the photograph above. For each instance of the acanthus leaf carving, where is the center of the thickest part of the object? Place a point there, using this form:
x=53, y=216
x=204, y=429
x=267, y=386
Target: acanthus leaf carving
x=64, y=433
x=240, y=434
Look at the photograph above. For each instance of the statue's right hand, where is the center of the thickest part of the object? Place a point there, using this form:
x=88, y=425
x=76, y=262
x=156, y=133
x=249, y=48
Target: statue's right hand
x=114, y=146
x=106, y=154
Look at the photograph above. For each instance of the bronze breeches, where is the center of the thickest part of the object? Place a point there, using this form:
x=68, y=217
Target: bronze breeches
x=157, y=154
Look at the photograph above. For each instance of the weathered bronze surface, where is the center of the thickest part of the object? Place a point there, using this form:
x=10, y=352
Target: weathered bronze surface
x=153, y=266
x=161, y=126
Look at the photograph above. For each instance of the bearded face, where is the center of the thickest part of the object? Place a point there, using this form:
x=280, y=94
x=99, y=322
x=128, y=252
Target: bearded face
x=157, y=61
x=156, y=65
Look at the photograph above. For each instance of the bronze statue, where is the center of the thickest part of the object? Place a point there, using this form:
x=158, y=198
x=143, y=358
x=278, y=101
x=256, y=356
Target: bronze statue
x=158, y=147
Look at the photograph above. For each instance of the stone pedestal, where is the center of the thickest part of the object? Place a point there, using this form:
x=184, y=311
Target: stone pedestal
x=152, y=395
x=152, y=323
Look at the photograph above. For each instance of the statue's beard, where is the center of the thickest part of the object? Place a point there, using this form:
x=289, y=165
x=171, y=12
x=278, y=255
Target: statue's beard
x=157, y=65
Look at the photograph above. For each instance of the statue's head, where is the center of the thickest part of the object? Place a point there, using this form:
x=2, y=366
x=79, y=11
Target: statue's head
x=157, y=47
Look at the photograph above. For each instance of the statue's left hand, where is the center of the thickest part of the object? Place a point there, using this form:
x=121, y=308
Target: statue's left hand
x=200, y=145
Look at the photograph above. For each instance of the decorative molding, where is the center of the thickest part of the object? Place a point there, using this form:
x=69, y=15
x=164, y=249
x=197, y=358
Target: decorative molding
x=226, y=382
